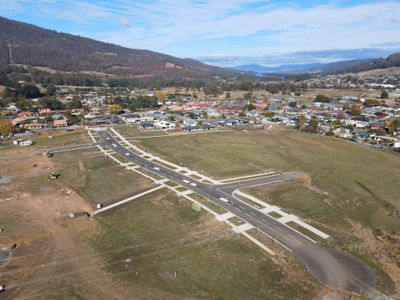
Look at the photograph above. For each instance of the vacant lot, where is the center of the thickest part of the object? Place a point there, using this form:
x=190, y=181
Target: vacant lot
x=135, y=132
x=359, y=182
x=347, y=189
x=52, y=253
x=155, y=248
x=57, y=139
x=163, y=247
x=97, y=178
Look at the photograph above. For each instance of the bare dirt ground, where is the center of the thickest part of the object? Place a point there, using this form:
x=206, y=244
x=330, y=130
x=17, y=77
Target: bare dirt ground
x=52, y=258
x=47, y=241
x=384, y=246
x=52, y=253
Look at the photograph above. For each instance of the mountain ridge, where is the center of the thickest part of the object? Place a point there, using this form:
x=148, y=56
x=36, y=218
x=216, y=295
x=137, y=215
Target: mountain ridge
x=338, y=67
x=27, y=44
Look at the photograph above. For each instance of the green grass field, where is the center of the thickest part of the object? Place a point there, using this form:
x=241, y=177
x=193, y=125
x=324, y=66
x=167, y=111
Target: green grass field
x=97, y=178
x=343, y=182
x=359, y=182
x=135, y=132
x=161, y=243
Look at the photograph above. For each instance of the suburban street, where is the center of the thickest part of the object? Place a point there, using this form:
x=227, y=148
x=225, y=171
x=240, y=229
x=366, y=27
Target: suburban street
x=336, y=269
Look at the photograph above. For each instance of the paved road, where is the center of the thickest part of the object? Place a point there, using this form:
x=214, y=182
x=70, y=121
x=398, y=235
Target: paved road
x=334, y=268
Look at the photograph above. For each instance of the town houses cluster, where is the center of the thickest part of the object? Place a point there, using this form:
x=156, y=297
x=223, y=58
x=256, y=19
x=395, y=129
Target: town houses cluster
x=367, y=119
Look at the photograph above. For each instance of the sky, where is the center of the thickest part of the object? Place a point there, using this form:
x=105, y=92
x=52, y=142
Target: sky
x=224, y=32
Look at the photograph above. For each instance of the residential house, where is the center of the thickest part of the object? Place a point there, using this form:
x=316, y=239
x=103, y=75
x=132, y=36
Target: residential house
x=189, y=123
x=343, y=132
x=25, y=114
x=45, y=111
x=147, y=125
x=212, y=113
x=31, y=126
x=12, y=107
x=60, y=123
x=164, y=125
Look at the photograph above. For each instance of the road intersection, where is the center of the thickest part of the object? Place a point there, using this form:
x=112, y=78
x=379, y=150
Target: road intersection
x=336, y=269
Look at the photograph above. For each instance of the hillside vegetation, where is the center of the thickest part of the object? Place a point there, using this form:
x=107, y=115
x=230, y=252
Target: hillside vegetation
x=26, y=44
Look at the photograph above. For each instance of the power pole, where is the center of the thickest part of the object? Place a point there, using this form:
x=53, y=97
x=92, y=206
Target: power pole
x=10, y=60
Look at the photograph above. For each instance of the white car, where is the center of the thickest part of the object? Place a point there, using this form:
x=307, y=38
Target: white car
x=108, y=139
x=193, y=184
x=186, y=181
x=114, y=145
x=156, y=168
x=127, y=154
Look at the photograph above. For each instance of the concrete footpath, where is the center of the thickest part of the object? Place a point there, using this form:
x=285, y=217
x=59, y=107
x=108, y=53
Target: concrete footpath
x=105, y=208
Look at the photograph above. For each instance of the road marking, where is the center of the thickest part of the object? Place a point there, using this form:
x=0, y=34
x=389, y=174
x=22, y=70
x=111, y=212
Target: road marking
x=240, y=229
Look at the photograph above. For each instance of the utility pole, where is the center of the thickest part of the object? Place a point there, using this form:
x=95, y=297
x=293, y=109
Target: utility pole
x=10, y=59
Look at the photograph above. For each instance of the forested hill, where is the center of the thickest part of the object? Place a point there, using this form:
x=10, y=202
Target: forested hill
x=26, y=44
x=361, y=65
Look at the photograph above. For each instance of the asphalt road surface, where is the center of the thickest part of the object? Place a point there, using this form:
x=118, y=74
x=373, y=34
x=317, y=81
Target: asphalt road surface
x=336, y=269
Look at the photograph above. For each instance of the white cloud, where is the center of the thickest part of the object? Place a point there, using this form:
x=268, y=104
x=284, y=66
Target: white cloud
x=124, y=22
x=278, y=29
x=232, y=27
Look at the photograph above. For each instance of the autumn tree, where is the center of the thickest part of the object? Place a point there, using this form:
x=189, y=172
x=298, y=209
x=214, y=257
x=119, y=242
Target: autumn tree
x=392, y=125
x=114, y=109
x=372, y=102
x=355, y=110
x=228, y=95
x=301, y=121
x=6, y=127
x=161, y=96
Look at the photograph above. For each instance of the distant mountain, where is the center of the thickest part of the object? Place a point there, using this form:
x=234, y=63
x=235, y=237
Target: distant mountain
x=26, y=44
x=299, y=58
x=363, y=65
x=290, y=68
x=346, y=66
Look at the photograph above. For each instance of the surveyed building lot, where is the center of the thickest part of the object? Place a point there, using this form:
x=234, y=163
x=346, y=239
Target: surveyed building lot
x=346, y=189
x=155, y=247
x=175, y=252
